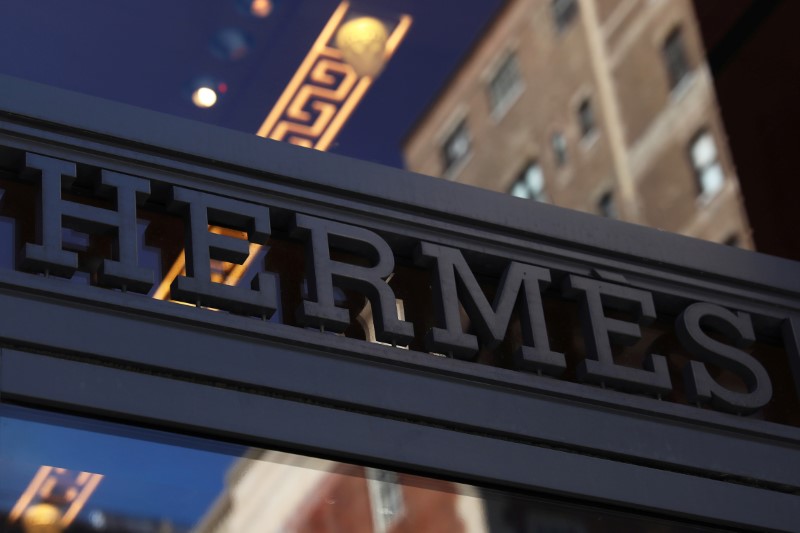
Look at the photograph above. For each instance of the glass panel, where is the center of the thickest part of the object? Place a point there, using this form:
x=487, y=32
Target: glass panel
x=456, y=147
x=563, y=12
x=712, y=180
x=505, y=85
x=530, y=184
x=65, y=474
x=586, y=118
x=704, y=152
x=675, y=57
x=391, y=82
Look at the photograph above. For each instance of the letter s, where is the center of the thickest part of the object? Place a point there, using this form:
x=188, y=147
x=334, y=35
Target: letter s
x=700, y=386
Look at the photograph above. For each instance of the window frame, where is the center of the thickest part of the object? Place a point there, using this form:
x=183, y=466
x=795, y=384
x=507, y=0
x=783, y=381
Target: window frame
x=559, y=148
x=523, y=179
x=705, y=192
x=500, y=104
x=675, y=58
x=607, y=205
x=588, y=128
x=563, y=13
x=450, y=163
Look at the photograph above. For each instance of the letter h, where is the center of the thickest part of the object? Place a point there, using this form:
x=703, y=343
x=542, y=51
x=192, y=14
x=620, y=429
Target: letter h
x=57, y=213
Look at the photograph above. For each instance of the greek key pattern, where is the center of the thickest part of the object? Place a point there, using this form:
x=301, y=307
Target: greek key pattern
x=324, y=91
x=310, y=112
x=69, y=488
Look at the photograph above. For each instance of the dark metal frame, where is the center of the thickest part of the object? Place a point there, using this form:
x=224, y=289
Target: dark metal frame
x=131, y=359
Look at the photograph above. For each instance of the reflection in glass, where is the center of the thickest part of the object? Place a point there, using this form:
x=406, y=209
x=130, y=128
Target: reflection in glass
x=356, y=78
x=505, y=85
x=705, y=161
x=457, y=145
x=530, y=184
x=153, y=482
x=675, y=58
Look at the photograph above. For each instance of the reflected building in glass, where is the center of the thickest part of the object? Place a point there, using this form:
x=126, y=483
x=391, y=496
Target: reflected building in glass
x=603, y=106
x=270, y=491
x=122, y=412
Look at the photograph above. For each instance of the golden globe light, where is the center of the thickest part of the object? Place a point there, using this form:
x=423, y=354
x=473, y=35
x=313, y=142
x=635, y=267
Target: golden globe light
x=42, y=518
x=362, y=42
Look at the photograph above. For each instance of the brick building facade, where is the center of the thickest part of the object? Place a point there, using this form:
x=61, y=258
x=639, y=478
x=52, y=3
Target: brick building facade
x=603, y=106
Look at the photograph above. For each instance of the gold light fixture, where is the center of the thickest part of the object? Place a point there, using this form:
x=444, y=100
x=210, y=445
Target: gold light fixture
x=362, y=42
x=53, y=499
x=345, y=49
x=42, y=518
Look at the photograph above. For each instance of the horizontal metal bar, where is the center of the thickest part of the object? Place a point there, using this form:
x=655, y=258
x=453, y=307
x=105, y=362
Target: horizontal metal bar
x=268, y=422
x=381, y=379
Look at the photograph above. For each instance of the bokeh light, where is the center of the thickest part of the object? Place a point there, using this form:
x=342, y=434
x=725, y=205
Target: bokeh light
x=230, y=43
x=204, y=97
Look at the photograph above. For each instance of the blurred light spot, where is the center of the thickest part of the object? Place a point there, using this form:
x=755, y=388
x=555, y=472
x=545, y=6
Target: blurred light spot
x=260, y=8
x=204, y=97
x=230, y=43
x=222, y=87
x=97, y=519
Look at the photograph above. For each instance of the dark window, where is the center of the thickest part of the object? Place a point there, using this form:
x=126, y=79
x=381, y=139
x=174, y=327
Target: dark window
x=505, y=85
x=732, y=240
x=559, y=144
x=607, y=206
x=530, y=184
x=705, y=161
x=586, y=118
x=457, y=146
x=675, y=58
x=563, y=12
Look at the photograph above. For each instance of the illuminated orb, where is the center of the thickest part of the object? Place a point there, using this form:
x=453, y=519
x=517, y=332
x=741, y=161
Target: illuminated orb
x=42, y=518
x=260, y=8
x=363, y=42
x=204, y=97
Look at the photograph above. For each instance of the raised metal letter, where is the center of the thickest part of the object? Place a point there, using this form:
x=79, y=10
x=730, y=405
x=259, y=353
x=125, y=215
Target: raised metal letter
x=49, y=256
x=454, y=282
x=599, y=330
x=700, y=386
x=202, y=246
x=322, y=273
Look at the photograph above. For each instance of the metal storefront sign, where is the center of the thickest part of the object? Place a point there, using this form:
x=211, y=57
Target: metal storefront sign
x=336, y=307
x=453, y=284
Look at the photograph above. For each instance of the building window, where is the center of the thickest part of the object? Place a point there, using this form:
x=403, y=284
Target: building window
x=586, y=118
x=505, y=85
x=607, y=206
x=563, y=12
x=707, y=168
x=530, y=184
x=559, y=144
x=675, y=58
x=457, y=146
x=386, y=498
